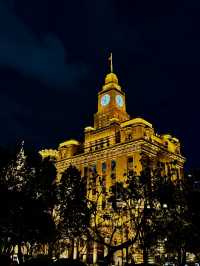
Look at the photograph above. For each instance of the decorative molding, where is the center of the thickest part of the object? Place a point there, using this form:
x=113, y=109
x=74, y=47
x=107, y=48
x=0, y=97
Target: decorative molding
x=118, y=150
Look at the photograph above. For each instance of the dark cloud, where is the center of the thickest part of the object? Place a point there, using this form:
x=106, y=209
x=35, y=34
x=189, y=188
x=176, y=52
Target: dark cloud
x=43, y=58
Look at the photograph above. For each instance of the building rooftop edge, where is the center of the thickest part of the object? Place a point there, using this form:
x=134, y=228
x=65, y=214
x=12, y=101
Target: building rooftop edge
x=136, y=121
x=68, y=142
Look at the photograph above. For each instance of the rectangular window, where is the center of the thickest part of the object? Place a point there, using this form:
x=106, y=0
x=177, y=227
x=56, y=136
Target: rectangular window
x=94, y=169
x=85, y=171
x=113, y=172
x=130, y=162
x=96, y=145
x=117, y=137
x=129, y=136
x=92, y=178
x=101, y=143
x=113, y=166
x=107, y=142
x=103, y=168
x=130, y=165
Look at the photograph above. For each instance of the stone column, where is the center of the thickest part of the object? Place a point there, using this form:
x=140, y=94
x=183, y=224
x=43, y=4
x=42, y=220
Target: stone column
x=67, y=252
x=105, y=247
x=118, y=258
x=115, y=259
x=95, y=253
x=75, y=250
x=85, y=253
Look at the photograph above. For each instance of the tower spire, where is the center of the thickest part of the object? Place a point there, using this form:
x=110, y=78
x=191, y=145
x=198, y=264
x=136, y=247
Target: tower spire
x=111, y=62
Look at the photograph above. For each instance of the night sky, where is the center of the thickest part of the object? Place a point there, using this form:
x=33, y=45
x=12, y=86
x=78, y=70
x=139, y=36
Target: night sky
x=53, y=60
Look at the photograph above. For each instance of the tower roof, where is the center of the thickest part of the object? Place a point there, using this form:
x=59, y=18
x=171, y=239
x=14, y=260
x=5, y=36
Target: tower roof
x=111, y=80
x=111, y=77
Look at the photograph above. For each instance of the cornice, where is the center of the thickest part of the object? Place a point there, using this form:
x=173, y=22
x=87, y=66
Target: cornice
x=121, y=150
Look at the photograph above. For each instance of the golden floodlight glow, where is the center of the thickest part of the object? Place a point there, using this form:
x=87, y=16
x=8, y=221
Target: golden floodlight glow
x=111, y=149
x=136, y=121
x=68, y=142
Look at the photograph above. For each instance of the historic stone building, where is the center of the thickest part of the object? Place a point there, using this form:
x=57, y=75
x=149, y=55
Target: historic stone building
x=113, y=145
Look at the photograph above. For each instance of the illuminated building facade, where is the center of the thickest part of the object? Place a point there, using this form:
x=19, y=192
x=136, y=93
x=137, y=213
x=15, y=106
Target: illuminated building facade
x=112, y=147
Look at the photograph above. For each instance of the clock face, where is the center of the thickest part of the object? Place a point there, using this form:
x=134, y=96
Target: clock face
x=105, y=99
x=119, y=100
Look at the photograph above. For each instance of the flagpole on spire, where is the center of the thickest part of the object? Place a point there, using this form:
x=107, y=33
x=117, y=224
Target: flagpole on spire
x=111, y=63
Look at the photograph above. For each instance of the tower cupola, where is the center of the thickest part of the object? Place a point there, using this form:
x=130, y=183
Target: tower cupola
x=111, y=80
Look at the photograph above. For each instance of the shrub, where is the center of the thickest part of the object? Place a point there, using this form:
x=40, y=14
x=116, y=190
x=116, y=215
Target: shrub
x=68, y=262
x=39, y=261
x=5, y=260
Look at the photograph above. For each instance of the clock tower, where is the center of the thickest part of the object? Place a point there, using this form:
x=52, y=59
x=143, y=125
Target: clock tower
x=111, y=102
x=111, y=151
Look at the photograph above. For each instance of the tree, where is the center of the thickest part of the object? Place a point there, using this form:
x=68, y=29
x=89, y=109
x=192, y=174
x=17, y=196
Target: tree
x=116, y=223
x=25, y=202
x=133, y=210
x=12, y=180
x=71, y=213
x=192, y=191
x=35, y=209
x=15, y=172
x=41, y=185
x=182, y=217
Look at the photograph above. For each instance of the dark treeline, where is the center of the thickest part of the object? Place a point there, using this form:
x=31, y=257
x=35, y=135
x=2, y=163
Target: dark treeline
x=30, y=200
x=38, y=211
